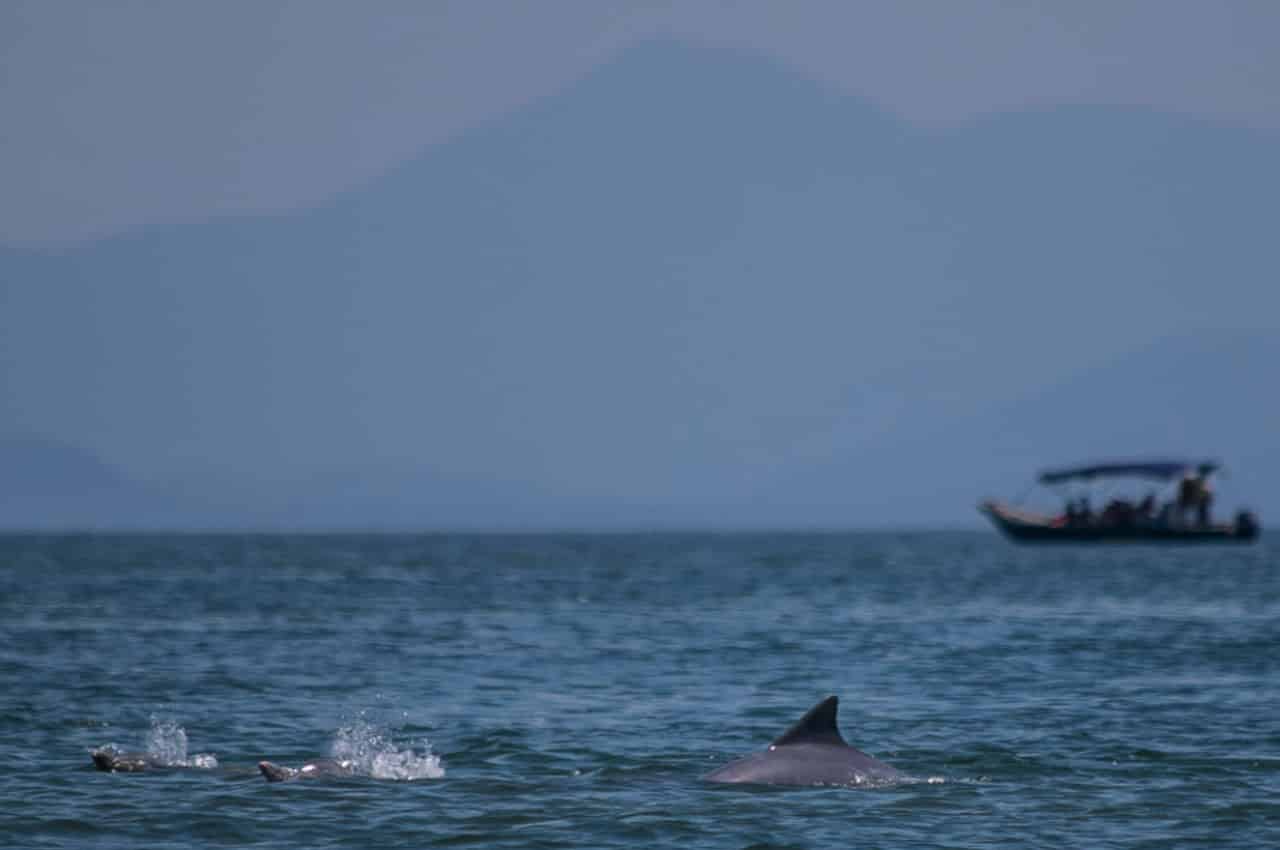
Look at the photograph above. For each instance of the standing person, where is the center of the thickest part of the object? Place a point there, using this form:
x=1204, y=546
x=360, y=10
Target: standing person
x=1204, y=505
x=1188, y=496
x=1147, y=507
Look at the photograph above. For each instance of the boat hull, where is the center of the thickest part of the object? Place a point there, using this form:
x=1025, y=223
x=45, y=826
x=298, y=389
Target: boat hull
x=1031, y=528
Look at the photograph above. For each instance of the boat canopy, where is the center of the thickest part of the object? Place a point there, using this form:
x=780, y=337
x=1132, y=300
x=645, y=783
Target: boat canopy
x=1159, y=470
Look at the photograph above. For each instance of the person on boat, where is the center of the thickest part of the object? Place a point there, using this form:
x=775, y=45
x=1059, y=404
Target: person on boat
x=1147, y=507
x=1204, y=507
x=1118, y=512
x=1188, y=496
x=1194, y=493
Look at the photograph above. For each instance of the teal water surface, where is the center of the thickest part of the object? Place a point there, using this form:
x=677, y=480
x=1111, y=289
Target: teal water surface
x=570, y=691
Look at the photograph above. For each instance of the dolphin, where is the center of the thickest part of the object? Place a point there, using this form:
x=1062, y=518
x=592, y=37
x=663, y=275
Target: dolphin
x=311, y=770
x=112, y=760
x=809, y=753
x=120, y=761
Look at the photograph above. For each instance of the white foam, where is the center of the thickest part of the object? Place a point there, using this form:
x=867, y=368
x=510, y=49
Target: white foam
x=167, y=744
x=373, y=753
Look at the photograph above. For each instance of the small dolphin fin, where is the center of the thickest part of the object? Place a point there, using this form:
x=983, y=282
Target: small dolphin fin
x=818, y=726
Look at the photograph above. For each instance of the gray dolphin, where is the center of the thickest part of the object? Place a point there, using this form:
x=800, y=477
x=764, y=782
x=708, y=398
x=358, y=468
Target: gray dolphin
x=120, y=761
x=311, y=770
x=114, y=760
x=809, y=753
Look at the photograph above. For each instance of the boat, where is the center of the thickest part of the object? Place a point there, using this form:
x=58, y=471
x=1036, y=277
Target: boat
x=1184, y=518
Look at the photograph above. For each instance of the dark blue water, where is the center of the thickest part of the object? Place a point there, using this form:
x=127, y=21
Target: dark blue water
x=562, y=691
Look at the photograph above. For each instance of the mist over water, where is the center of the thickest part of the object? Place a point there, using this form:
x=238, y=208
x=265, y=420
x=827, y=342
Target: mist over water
x=618, y=308
x=550, y=690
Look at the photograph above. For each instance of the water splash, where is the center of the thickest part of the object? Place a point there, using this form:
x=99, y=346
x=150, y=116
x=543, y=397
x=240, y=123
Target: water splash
x=167, y=744
x=375, y=754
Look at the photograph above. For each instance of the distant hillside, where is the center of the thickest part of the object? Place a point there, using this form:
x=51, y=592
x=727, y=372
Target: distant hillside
x=44, y=484
x=694, y=288
x=1180, y=397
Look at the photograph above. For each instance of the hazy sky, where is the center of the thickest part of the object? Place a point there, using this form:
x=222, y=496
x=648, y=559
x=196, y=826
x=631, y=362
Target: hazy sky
x=586, y=263
x=126, y=114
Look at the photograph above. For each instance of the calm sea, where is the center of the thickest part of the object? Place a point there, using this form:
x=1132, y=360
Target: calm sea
x=569, y=691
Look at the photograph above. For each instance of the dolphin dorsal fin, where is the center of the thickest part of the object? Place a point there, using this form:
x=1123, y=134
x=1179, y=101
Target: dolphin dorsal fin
x=818, y=726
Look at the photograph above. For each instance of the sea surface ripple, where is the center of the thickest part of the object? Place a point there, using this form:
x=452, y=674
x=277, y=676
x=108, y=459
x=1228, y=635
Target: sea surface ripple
x=570, y=690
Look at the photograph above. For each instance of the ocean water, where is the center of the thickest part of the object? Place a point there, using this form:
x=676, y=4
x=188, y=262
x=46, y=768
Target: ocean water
x=570, y=691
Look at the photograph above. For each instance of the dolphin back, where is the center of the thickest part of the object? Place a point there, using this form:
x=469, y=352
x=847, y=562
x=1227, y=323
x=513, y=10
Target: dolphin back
x=812, y=752
x=118, y=761
x=275, y=772
x=311, y=770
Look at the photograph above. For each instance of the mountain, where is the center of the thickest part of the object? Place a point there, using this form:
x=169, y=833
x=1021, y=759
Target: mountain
x=50, y=485
x=1182, y=397
x=690, y=289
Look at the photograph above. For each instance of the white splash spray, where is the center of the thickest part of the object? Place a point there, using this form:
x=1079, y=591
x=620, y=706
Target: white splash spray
x=374, y=753
x=167, y=744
